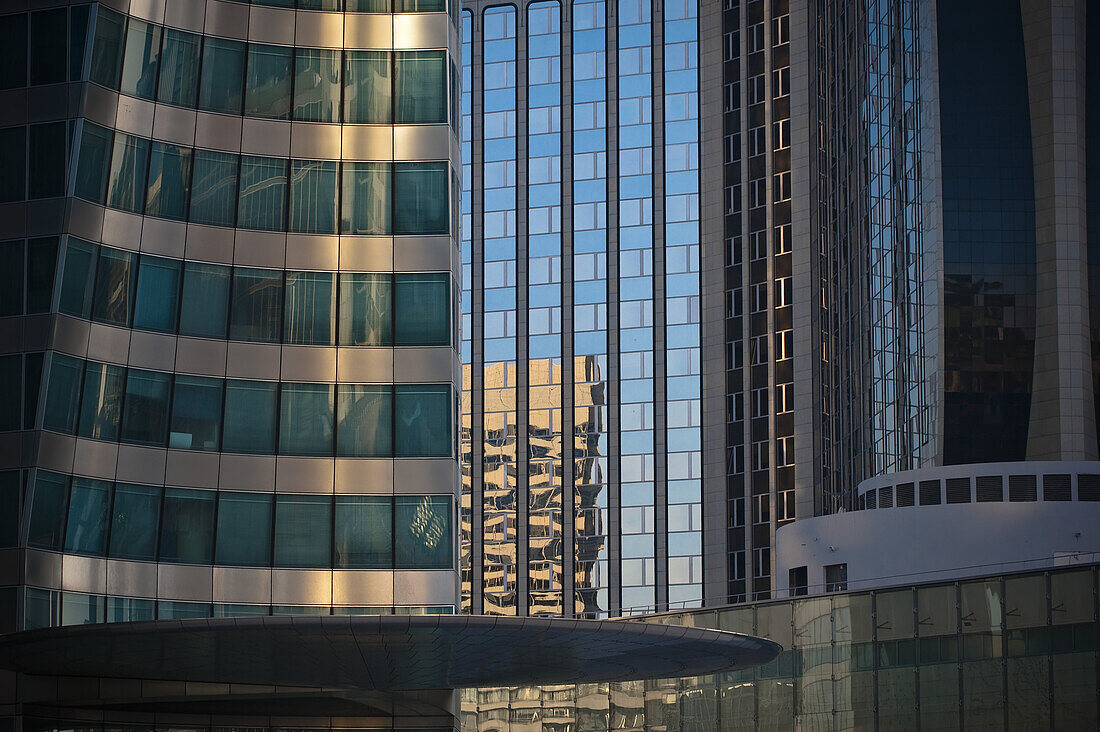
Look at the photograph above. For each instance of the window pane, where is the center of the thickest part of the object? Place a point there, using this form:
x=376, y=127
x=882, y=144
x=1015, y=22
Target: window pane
x=92, y=161
x=196, y=413
x=256, y=307
x=41, y=264
x=13, y=161
x=205, y=308
x=62, y=394
x=77, y=278
x=422, y=305
x=157, y=299
x=365, y=427
x=169, y=181
x=418, y=6
x=424, y=533
x=80, y=609
x=89, y=506
x=313, y=197
x=310, y=308
x=179, y=74
x=214, y=188
x=244, y=530
x=47, y=160
x=268, y=87
x=262, y=202
x=367, y=87
x=249, y=425
x=316, y=85
x=368, y=6
x=420, y=87
x=78, y=38
x=129, y=164
x=42, y=608
x=423, y=420
x=139, y=60
x=48, y=506
x=11, y=392
x=130, y=610
x=222, y=75
x=11, y=277
x=101, y=407
x=366, y=309
x=187, y=526
x=303, y=531
x=114, y=286
x=134, y=521
x=13, y=51
x=174, y=610
x=366, y=204
x=32, y=380
x=364, y=532
x=48, y=46
x=319, y=4
x=11, y=499
x=145, y=415
x=107, y=48
x=420, y=198
x=305, y=425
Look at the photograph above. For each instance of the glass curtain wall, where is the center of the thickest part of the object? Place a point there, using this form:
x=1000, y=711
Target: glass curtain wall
x=467, y=449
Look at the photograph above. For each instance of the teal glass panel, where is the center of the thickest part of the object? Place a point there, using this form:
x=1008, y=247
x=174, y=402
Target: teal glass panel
x=78, y=278
x=46, y=154
x=221, y=83
x=32, y=380
x=319, y=4
x=169, y=181
x=145, y=407
x=226, y=610
x=256, y=305
x=317, y=85
x=80, y=609
x=135, y=517
x=101, y=407
x=175, y=610
x=267, y=91
x=48, y=46
x=93, y=159
x=214, y=188
x=49, y=504
x=250, y=417
x=310, y=317
x=196, y=413
x=13, y=159
x=106, y=62
x=419, y=6
x=303, y=531
x=130, y=610
x=305, y=424
x=366, y=309
x=62, y=394
x=313, y=198
x=299, y=610
x=114, y=286
x=364, y=420
x=11, y=392
x=204, y=311
x=423, y=532
x=157, y=301
x=11, y=502
x=366, y=205
x=89, y=513
x=187, y=526
x=41, y=264
x=179, y=70
x=11, y=277
x=42, y=608
x=140, y=59
x=420, y=198
x=422, y=419
x=129, y=164
x=422, y=304
x=367, y=6
x=368, y=87
x=244, y=530
x=420, y=87
x=13, y=50
x=262, y=201
x=364, y=532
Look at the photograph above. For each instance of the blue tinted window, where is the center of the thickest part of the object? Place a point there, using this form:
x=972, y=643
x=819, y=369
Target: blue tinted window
x=157, y=301
x=244, y=529
x=303, y=531
x=179, y=70
x=130, y=609
x=250, y=417
x=174, y=610
x=102, y=401
x=78, y=277
x=129, y=164
x=365, y=426
x=187, y=526
x=420, y=198
x=420, y=87
x=49, y=504
x=305, y=425
x=268, y=87
x=169, y=181
x=256, y=306
x=366, y=204
x=114, y=286
x=423, y=531
x=364, y=532
x=422, y=416
x=93, y=159
x=196, y=413
x=368, y=87
x=222, y=77
x=214, y=188
x=313, y=198
x=107, y=47
x=62, y=394
x=310, y=308
x=145, y=407
x=89, y=506
x=205, y=307
x=262, y=201
x=366, y=309
x=317, y=85
x=80, y=609
x=135, y=517
x=422, y=303
x=140, y=59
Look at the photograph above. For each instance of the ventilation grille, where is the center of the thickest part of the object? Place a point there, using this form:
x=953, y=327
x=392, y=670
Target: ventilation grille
x=930, y=493
x=905, y=494
x=1088, y=487
x=990, y=488
x=958, y=490
x=886, y=497
x=872, y=499
x=1056, y=487
x=1021, y=488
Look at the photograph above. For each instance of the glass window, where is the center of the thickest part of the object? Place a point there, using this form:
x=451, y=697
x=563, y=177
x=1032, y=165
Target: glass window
x=420, y=198
x=214, y=188
x=187, y=526
x=316, y=85
x=422, y=307
x=145, y=407
x=310, y=308
x=204, y=311
x=365, y=426
x=32, y=379
x=129, y=164
x=267, y=91
x=135, y=517
x=364, y=532
x=305, y=425
x=262, y=201
x=366, y=309
x=228, y=610
x=41, y=263
x=175, y=610
x=13, y=161
x=303, y=531
x=422, y=417
x=140, y=59
x=249, y=425
x=62, y=394
x=196, y=413
x=89, y=510
x=101, y=408
x=107, y=48
x=169, y=181
x=319, y=4
x=42, y=608
x=313, y=198
x=11, y=391
x=77, y=278
x=256, y=305
x=48, y=46
x=365, y=199
x=244, y=530
x=49, y=504
x=114, y=286
x=368, y=87
x=13, y=50
x=367, y=6
x=47, y=155
x=11, y=277
x=420, y=87
x=78, y=37
x=419, y=6
x=222, y=75
x=422, y=526
x=93, y=159
x=11, y=499
x=130, y=609
x=80, y=609
x=179, y=74
x=157, y=300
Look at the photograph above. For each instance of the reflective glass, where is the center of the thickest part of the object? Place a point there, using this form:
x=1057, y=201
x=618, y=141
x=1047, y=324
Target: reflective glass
x=78, y=277
x=367, y=6
x=317, y=85
x=303, y=531
x=130, y=610
x=222, y=81
x=135, y=517
x=420, y=198
x=262, y=201
x=187, y=526
x=114, y=287
x=365, y=199
x=250, y=418
x=420, y=87
x=157, y=300
x=179, y=72
x=13, y=158
x=214, y=188
x=419, y=6
x=48, y=46
x=365, y=420
x=196, y=413
x=62, y=394
x=267, y=91
x=422, y=525
x=423, y=312
x=80, y=609
x=140, y=59
x=101, y=408
x=367, y=87
x=42, y=608
x=107, y=47
x=129, y=164
x=169, y=181
x=145, y=407
x=364, y=532
x=89, y=506
x=41, y=263
x=256, y=305
x=244, y=530
x=204, y=311
x=50, y=501
x=11, y=278
x=366, y=309
x=78, y=37
x=47, y=147
x=313, y=199
x=422, y=420
x=310, y=309
x=305, y=426
x=93, y=158
x=173, y=610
